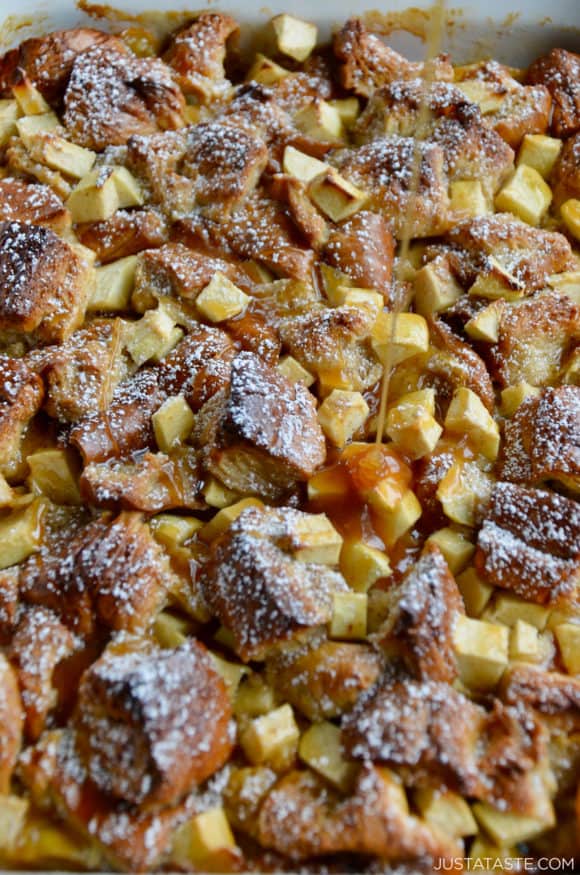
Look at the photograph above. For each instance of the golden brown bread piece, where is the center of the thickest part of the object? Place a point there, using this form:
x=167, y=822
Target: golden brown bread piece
x=125, y=233
x=529, y=254
x=260, y=436
x=21, y=395
x=44, y=283
x=363, y=247
x=110, y=571
x=541, y=440
x=197, y=52
x=156, y=158
x=321, y=678
x=112, y=95
x=452, y=363
x=535, y=336
x=48, y=60
x=126, y=837
x=22, y=201
x=260, y=230
x=153, y=724
x=149, y=482
x=549, y=692
x=530, y=544
x=414, y=202
x=199, y=366
x=565, y=178
x=258, y=590
x=525, y=110
x=11, y=720
x=21, y=163
x=125, y=425
x=254, y=333
x=39, y=647
x=301, y=817
x=224, y=162
x=367, y=62
x=9, y=597
x=82, y=373
x=418, y=630
x=334, y=344
x=559, y=71
x=293, y=194
x=174, y=270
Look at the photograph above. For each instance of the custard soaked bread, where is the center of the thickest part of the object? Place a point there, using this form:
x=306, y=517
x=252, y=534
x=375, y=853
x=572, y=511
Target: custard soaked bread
x=240, y=628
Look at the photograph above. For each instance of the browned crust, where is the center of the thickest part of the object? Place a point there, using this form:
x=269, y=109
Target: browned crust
x=197, y=52
x=125, y=233
x=559, y=71
x=34, y=204
x=363, y=247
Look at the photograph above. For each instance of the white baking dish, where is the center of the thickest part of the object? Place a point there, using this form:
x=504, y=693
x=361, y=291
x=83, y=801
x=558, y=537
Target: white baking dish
x=514, y=32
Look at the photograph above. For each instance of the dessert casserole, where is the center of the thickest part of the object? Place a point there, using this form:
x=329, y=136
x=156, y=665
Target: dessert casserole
x=289, y=453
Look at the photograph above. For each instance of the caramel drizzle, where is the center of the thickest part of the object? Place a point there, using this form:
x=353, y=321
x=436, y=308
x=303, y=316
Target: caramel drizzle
x=400, y=298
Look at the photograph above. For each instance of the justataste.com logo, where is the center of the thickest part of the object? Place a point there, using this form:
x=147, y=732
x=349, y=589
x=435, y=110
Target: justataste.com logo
x=505, y=864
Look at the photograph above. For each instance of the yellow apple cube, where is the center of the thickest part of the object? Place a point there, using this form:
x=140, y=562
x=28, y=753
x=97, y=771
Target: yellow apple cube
x=527, y=195
x=513, y=396
x=21, y=533
x=508, y=609
x=55, y=473
x=348, y=108
x=468, y=198
x=218, y=495
x=335, y=196
x=225, y=517
x=524, y=642
x=114, y=285
x=266, y=71
x=172, y=423
x=293, y=371
x=271, y=736
x=221, y=299
x=152, y=337
x=463, y=492
x=314, y=539
x=474, y=591
x=436, y=289
x=302, y=166
x=341, y=414
x=456, y=548
x=446, y=811
x=571, y=215
x=320, y=748
x=497, y=283
x=540, y=152
x=468, y=415
x=294, y=36
x=349, y=616
x=485, y=324
x=568, y=638
x=481, y=650
x=396, y=337
x=362, y=565
x=174, y=530
x=506, y=828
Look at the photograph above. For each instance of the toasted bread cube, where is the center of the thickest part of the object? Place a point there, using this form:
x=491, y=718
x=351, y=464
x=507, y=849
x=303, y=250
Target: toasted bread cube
x=314, y=539
x=508, y=609
x=447, y=811
x=9, y=110
x=336, y=196
x=218, y=495
x=524, y=642
x=482, y=652
x=568, y=638
x=485, y=324
x=411, y=424
x=30, y=126
x=20, y=533
x=172, y=631
x=321, y=121
x=294, y=36
x=570, y=211
x=225, y=517
x=202, y=838
x=102, y=192
x=506, y=828
x=221, y=299
x=474, y=591
x=29, y=98
x=266, y=71
x=373, y=301
x=293, y=370
x=172, y=530
x=302, y=166
x=348, y=108
x=152, y=337
x=456, y=548
x=513, y=396
x=396, y=337
x=362, y=565
x=114, y=285
x=321, y=749
x=468, y=415
x=497, y=283
x=349, y=616
x=392, y=525
x=13, y=810
x=341, y=414
x=172, y=423
x=463, y=492
x=526, y=194
x=68, y=158
x=55, y=473
x=7, y=130
x=539, y=152
x=436, y=289
x=270, y=737
x=254, y=697
x=467, y=197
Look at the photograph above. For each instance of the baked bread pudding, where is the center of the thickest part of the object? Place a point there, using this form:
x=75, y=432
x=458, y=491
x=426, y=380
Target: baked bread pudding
x=246, y=621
